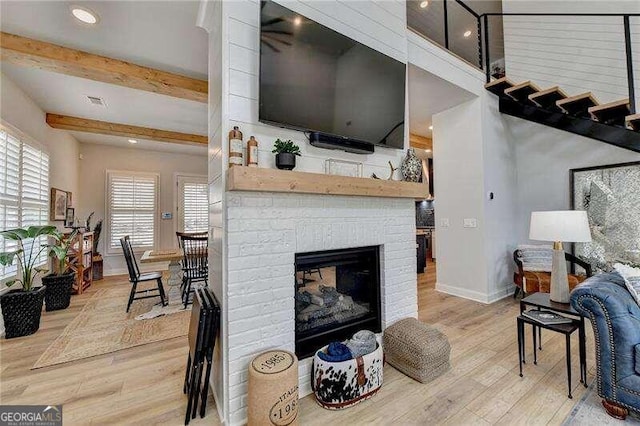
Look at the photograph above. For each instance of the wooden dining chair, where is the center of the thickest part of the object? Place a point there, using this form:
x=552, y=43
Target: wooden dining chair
x=136, y=277
x=195, y=266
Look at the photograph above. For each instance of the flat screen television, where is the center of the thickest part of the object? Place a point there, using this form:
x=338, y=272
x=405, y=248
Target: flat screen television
x=317, y=80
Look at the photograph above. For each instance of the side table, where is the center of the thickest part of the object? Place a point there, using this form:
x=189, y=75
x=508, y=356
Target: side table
x=542, y=301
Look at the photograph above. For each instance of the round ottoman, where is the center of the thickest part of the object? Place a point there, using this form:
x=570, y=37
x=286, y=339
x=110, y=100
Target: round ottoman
x=417, y=349
x=273, y=389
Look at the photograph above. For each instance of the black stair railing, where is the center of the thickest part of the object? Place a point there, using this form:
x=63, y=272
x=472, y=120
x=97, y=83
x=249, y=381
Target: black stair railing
x=436, y=19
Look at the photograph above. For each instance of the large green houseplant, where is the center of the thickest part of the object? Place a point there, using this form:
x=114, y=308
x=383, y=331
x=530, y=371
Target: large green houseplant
x=22, y=308
x=59, y=283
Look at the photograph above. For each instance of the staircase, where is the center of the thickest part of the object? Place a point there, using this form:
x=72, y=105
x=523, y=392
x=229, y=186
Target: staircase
x=611, y=122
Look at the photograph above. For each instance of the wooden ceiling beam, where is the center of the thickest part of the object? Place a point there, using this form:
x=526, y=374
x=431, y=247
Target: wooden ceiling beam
x=114, y=129
x=420, y=142
x=51, y=57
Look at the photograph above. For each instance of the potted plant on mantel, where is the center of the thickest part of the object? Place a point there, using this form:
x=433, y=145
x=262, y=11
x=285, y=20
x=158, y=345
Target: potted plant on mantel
x=22, y=308
x=286, y=152
x=60, y=282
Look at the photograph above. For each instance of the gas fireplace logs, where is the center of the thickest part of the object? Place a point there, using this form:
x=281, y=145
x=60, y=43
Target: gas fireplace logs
x=273, y=389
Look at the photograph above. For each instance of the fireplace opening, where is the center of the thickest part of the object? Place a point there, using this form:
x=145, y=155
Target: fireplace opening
x=337, y=294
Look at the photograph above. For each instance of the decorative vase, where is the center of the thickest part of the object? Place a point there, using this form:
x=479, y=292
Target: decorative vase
x=58, y=294
x=21, y=311
x=411, y=167
x=285, y=161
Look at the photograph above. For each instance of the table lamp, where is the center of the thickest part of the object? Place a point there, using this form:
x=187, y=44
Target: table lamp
x=560, y=226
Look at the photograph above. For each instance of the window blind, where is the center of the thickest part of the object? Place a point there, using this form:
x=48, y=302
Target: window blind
x=132, y=205
x=193, y=204
x=24, y=191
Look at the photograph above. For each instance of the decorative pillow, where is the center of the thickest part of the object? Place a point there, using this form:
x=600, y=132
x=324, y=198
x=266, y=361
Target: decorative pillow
x=536, y=258
x=631, y=277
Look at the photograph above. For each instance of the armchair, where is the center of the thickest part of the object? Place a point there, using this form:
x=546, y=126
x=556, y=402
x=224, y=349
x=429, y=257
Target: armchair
x=615, y=317
x=534, y=281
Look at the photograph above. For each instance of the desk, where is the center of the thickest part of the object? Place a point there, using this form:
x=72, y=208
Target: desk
x=541, y=301
x=173, y=256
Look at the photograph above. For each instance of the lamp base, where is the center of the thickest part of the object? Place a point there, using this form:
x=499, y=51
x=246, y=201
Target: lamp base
x=559, y=280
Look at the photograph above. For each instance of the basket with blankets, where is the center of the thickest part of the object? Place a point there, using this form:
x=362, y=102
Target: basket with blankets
x=345, y=373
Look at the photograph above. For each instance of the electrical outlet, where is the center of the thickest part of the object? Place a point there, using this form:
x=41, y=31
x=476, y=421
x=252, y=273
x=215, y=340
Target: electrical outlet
x=470, y=222
x=444, y=223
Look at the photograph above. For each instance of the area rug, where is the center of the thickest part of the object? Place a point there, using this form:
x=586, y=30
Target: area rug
x=103, y=327
x=590, y=412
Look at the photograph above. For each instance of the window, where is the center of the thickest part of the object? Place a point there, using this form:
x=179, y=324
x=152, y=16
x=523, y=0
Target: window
x=193, y=204
x=24, y=189
x=132, y=200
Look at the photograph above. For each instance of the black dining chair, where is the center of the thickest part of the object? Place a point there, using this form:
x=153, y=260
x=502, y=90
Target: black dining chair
x=136, y=277
x=195, y=265
x=179, y=235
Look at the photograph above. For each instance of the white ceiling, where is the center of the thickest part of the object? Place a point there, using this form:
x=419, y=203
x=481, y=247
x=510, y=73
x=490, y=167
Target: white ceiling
x=429, y=95
x=157, y=34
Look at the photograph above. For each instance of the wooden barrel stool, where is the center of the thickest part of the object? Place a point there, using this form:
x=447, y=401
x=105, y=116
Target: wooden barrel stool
x=273, y=389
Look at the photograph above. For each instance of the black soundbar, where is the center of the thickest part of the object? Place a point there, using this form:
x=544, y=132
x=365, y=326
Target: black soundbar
x=323, y=140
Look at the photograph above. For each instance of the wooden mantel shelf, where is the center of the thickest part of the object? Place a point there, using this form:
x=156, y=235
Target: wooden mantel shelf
x=241, y=178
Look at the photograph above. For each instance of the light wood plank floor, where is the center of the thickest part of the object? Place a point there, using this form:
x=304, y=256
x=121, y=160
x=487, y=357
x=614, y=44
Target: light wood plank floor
x=143, y=385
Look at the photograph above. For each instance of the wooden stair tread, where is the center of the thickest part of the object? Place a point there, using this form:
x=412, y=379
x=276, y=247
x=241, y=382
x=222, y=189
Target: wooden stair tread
x=609, y=105
x=498, y=86
x=520, y=86
x=612, y=113
x=497, y=82
x=632, y=121
x=549, y=91
x=571, y=99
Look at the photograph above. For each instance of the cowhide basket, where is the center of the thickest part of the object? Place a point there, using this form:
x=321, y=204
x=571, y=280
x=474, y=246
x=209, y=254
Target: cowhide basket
x=338, y=385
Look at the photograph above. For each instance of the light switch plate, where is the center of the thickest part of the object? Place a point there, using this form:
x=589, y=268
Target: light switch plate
x=470, y=222
x=444, y=223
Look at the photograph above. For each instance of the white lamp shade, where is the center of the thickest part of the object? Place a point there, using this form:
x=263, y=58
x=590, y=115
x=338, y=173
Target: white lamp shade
x=566, y=225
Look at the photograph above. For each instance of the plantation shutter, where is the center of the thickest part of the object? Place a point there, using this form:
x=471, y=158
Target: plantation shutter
x=9, y=193
x=34, y=194
x=193, y=204
x=132, y=204
x=24, y=192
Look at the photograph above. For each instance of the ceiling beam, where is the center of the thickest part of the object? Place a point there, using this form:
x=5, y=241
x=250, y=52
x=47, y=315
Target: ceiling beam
x=114, y=129
x=420, y=142
x=51, y=57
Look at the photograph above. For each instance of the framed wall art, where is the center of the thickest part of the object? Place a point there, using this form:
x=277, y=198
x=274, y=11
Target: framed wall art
x=58, y=205
x=611, y=197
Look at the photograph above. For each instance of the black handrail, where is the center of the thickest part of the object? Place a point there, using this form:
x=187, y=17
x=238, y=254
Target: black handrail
x=484, y=54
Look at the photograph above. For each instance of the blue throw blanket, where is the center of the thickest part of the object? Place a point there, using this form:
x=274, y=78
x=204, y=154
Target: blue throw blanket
x=336, y=352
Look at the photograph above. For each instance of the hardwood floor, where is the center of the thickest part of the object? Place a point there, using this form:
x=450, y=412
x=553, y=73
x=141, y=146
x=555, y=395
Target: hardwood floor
x=144, y=384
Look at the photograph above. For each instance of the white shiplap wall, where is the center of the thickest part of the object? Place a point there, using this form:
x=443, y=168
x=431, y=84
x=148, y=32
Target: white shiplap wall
x=380, y=25
x=580, y=54
x=233, y=88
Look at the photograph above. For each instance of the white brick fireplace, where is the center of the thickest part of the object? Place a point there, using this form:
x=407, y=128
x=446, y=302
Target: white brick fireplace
x=264, y=231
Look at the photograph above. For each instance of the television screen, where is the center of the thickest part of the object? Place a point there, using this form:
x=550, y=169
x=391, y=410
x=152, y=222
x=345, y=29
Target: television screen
x=315, y=79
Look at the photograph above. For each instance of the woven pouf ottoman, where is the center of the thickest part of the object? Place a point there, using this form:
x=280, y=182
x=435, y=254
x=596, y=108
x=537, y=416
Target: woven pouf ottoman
x=273, y=389
x=417, y=349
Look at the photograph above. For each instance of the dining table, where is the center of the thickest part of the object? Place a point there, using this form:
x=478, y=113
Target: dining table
x=173, y=256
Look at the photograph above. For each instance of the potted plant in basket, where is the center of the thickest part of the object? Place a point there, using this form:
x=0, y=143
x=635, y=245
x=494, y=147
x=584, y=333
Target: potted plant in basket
x=21, y=308
x=286, y=152
x=60, y=282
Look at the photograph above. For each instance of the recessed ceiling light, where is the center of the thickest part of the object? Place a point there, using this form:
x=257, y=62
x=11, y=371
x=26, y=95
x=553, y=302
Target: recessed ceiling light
x=84, y=15
x=424, y=4
x=297, y=21
x=430, y=127
x=133, y=141
x=467, y=33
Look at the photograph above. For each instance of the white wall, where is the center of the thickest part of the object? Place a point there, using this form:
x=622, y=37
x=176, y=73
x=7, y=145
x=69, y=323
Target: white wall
x=97, y=159
x=544, y=157
x=580, y=54
x=17, y=109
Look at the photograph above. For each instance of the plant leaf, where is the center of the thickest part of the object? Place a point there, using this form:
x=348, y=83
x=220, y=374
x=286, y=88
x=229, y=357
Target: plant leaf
x=10, y=283
x=36, y=231
x=15, y=234
x=6, y=258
